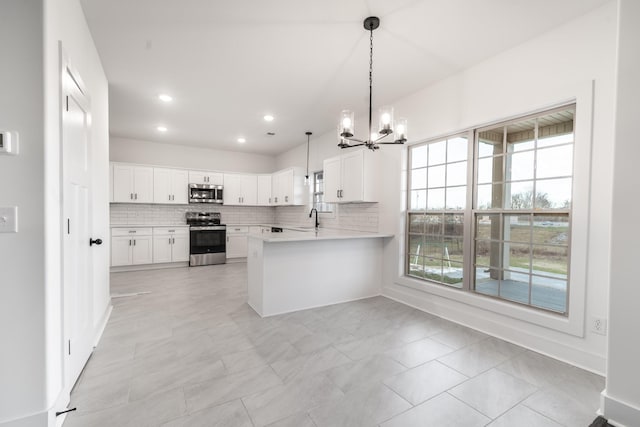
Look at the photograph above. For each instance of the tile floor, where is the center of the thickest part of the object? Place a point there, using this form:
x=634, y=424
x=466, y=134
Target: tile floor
x=188, y=351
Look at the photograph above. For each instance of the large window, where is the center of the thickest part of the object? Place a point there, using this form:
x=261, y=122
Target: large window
x=510, y=205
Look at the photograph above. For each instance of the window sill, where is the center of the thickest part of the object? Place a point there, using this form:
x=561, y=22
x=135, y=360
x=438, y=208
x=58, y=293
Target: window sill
x=573, y=325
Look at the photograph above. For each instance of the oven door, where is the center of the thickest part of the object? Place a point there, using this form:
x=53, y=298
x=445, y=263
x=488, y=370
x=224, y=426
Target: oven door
x=208, y=245
x=208, y=239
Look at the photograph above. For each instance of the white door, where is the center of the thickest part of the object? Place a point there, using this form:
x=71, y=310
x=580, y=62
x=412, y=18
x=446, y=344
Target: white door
x=332, y=179
x=162, y=248
x=161, y=185
x=264, y=190
x=352, y=177
x=180, y=187
x=180, y=247
x=77, y=259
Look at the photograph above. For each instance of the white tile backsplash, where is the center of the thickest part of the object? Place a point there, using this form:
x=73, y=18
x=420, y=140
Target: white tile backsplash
x=355, y=216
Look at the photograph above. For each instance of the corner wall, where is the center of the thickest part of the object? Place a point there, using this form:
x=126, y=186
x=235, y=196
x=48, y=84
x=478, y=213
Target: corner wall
x=545, y=71
x=22, y=255
x=621, y=399
x=159, y=154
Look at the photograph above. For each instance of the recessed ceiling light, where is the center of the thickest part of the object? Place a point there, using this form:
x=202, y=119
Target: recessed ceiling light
x=242, y=140
x=165, y=98
x=268, y=118
x=161, y=128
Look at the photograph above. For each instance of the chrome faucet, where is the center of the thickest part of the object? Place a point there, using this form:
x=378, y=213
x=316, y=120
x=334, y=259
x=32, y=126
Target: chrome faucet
x=311, y=213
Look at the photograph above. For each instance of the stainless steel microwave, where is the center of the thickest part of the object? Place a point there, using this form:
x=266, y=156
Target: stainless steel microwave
x=205, y=193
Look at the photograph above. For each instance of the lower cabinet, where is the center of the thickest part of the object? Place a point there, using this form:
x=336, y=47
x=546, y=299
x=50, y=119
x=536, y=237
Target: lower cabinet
x=149, y=245
x=237, y=241
x=131, y=246
x=170, y=244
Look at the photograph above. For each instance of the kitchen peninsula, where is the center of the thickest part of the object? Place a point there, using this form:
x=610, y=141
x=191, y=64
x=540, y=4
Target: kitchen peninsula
x=296, y=270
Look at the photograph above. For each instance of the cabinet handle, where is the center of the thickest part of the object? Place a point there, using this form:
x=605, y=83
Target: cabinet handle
x=169, y=240
x=276, y=200
x=136, y=196
x=129, y=242
x=131, y=197
x=269, y=200
x=134, y=242
x=173, y=240
x=338, y=193
x=286, y=198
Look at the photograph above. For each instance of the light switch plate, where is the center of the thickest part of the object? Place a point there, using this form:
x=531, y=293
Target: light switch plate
x=9, y=220
x=8, y=142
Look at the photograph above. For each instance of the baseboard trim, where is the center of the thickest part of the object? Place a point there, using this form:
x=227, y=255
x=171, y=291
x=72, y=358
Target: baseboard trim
x=617, y=412
x=530, y=340
x=102, y=324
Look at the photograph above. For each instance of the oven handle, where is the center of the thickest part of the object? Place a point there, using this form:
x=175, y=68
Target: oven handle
x=209, y=228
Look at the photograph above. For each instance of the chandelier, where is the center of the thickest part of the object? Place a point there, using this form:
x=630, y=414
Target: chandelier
x=386, y=126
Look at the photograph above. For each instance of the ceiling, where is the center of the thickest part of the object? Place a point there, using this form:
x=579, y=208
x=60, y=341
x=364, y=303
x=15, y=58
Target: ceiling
x=228, y=63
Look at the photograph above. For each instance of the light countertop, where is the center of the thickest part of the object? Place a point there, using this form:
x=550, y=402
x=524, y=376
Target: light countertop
x=302, y=234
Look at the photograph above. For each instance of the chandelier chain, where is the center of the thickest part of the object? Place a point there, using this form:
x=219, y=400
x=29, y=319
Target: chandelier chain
x=370, y=82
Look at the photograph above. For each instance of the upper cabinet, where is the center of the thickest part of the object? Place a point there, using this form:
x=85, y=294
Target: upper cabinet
x=287, y=187
x=264, y=190
x=240, y=189
x=203, y=177
x=170, y=186
x=146, y=184
x=132, y=184
x=351, y=177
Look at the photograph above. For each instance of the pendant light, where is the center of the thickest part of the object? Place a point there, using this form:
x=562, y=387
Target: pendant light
x=387, y=126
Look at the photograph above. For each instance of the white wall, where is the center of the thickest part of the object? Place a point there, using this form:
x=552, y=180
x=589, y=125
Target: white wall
x=30, y=262
x=550, y=69
x=621, y=399
x=22, y=256
x=155, y=153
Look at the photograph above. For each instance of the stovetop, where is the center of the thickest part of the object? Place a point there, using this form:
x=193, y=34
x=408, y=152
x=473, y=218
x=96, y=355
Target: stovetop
x=203, y=218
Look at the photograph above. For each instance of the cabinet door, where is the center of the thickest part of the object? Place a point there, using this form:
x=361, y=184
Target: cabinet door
x=264, y=190
x=286, y=186
x=121, y=251
x=232, y=189
x=332, y=179
x=215, y=178
x=236, y=245
x=143, y=184
x=276, y=198
x=180, y=248
x=249, y=190
x=161, y=248
x=142, y=250
x=352, y=177
x=197, y=177
x=122, y=183
x=180, y=186
x=161, y=185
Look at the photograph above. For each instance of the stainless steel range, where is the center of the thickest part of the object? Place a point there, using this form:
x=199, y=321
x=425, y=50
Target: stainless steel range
x=208, y=239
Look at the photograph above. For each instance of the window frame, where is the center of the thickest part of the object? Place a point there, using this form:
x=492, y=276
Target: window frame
x=581, y=95
x=314, y=193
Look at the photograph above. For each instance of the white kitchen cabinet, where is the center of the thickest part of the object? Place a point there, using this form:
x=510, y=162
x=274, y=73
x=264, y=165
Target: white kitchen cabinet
x=264, y=190
x=132, y=184
x=131, y=246
x=204, y=177
x=170, y=244
x=287, y=187
x=351, y=177
x=240, y=189
x=170, y=186
x=237, y=241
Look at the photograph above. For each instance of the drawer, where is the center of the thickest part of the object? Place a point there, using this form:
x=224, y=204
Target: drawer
x=237, y=229
x=170, y=231
x=139, y=231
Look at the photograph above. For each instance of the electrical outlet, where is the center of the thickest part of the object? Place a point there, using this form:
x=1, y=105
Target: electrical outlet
x=599, y=325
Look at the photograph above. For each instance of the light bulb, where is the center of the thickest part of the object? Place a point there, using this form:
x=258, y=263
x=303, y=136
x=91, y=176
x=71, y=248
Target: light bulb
x=400, y=129
x=385, y=119
x=346, y=123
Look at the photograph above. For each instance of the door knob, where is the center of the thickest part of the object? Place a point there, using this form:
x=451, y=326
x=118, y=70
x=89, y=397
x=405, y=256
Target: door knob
x=95, y=242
